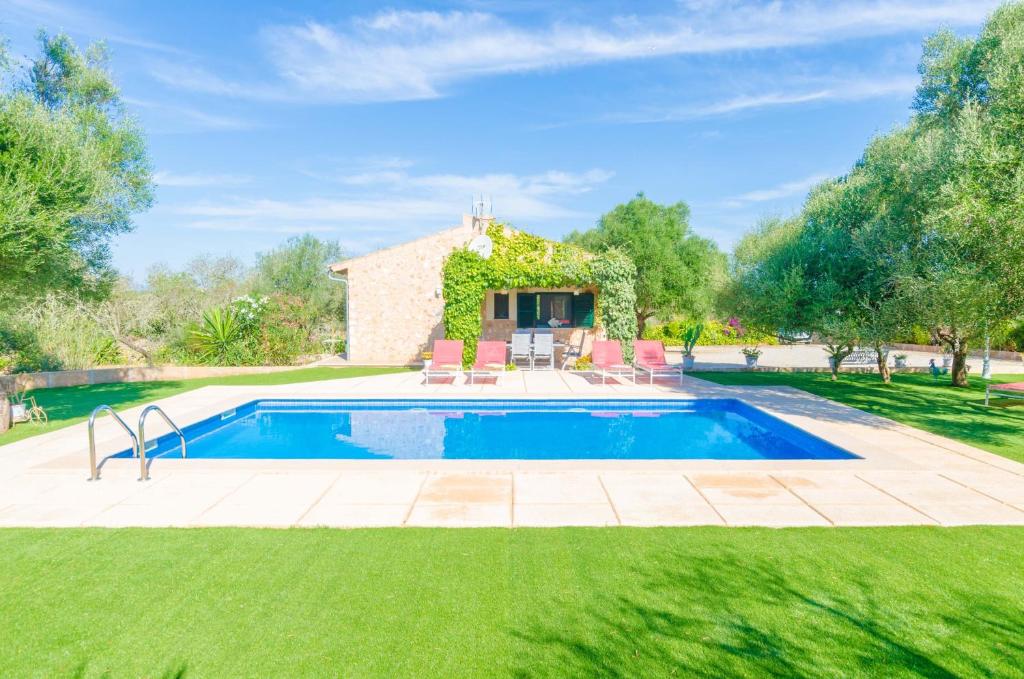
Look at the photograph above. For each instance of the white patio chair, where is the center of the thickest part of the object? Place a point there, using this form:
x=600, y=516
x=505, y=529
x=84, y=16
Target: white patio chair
x=544, y=349
x=521, y=349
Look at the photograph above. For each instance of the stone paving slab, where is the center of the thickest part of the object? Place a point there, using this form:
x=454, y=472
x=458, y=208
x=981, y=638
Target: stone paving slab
x=905, y=477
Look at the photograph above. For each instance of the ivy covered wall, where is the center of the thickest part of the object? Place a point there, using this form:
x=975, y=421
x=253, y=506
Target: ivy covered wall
x=522, y=260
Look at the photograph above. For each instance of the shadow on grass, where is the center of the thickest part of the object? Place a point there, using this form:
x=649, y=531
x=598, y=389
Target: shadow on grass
x=735, y=614
x=178, y=672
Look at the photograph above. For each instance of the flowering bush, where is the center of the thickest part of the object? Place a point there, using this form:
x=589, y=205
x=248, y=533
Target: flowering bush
x=249, y=331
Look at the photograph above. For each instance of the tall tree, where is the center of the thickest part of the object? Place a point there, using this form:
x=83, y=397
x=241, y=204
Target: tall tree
x=928, y=227
x=299, y=268
x=74, y=171
x=972, y=99
x=676, y=269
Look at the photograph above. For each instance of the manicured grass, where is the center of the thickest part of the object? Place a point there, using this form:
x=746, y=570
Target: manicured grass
x=914, y=399
x=706, y=602
x=68, y=405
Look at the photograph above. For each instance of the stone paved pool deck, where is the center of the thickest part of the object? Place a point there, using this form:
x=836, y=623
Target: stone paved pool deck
x=906, y=476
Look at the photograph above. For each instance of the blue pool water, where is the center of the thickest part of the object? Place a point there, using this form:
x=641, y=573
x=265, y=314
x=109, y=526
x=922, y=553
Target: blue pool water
x=721, y=429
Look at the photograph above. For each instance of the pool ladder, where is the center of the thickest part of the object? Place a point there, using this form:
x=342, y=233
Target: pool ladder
x=138, y=442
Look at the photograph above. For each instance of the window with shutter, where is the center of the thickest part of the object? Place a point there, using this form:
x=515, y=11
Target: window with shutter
x=583, y=310
x=526, y=309
x=500, y=306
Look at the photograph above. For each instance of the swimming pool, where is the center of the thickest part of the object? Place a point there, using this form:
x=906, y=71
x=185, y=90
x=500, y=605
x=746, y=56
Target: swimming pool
x=723, y=429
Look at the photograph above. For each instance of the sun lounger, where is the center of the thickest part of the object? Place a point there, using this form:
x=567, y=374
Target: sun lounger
x=447, y=360
x=649, y=356
x=607, y=359
x=1012, y=390
x=490, y=361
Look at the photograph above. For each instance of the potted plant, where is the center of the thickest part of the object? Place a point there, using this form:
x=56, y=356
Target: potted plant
x=901, y=360
x=428, y=358
x=947, y=359
x=751, y=354
x=690, y=337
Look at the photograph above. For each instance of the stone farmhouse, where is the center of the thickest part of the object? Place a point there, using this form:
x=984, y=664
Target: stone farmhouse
x=395, y=305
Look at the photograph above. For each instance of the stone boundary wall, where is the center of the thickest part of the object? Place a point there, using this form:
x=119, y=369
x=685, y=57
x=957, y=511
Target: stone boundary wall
x=977, y=353
x=75, y=378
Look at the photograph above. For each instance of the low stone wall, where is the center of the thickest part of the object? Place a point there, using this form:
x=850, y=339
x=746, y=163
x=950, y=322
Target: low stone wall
x=75, y=378
x=977, y=353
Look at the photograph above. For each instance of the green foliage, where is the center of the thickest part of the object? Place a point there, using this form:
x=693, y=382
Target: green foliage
x=926, y=230
x=54, y=333
x=248, y=331
x=298, y=268
x=713, y=333
x=216, y=340
x=690, y=338
x=522, y=260
x=615, y=275
x=676, y=271
x=1014, y=336
x=74, y=171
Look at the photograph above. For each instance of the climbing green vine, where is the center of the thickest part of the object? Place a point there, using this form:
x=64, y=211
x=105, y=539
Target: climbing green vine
x=522, y=260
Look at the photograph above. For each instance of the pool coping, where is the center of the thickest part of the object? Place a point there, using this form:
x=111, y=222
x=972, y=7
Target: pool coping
x=895, y=453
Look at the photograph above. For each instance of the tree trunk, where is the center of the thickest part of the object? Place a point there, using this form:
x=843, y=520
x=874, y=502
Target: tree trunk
x=883, y=363
x=957, y=344
x=958, y=373
x=137, y=349
x=837, y=353
x=5, y=410
x=641, y=323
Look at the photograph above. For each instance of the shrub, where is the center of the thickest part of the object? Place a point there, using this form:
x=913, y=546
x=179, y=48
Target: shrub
x=713, y=332
x=218, y=340
x=249, y=331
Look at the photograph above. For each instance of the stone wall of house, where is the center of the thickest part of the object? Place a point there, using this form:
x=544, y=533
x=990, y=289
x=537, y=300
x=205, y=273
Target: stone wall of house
x=395, y=307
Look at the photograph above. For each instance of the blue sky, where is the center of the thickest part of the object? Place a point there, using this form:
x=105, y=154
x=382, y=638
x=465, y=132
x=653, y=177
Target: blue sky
x=372, y=124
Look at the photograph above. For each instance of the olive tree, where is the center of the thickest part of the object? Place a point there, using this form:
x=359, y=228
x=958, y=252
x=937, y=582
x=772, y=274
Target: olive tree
x=75, y=170
x=677, y=271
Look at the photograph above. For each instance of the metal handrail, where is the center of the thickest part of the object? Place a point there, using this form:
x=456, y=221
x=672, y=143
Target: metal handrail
x=142, y=437
x=95, y=474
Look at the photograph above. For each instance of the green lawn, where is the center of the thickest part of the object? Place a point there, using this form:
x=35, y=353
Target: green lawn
x=914, y=399
x=68, y=405
x=705, y=602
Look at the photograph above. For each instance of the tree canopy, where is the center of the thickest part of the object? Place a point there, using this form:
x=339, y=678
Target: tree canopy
x=75, y=170
x=676, y=269
x=927, y=228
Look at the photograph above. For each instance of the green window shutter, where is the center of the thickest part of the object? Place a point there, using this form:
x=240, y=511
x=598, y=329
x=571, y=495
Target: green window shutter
x=526, y=310
x=583, y=310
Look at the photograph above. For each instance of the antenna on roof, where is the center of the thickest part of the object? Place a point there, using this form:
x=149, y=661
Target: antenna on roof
x=481, y=211
x=483, y=206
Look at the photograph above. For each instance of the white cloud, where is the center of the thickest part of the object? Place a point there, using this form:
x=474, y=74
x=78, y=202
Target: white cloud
x=36, y=13
x=255, y=226
x=389, y=208
x=197, y=180
x=779, y=191
x=857, y=89
x=404, y=55
x=175, y=118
